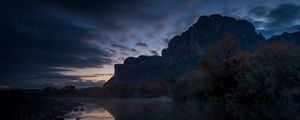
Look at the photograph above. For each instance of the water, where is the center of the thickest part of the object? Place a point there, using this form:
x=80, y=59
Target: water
x=135, y=109
x=166, y=109
x=90, y=111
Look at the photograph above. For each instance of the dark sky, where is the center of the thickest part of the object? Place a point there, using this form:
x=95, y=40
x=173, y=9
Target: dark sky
x=57, y=42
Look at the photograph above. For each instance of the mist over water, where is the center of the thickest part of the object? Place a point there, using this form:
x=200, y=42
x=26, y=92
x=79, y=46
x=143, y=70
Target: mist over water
x=138, y=109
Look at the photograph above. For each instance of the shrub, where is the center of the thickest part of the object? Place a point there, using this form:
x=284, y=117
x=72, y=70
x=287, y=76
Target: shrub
x=192, y=85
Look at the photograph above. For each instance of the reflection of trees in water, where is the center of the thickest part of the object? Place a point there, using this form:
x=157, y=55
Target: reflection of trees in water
x=135, y=109
x=152, y=110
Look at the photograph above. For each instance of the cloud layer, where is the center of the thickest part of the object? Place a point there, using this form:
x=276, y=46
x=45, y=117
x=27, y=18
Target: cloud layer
x=281, y=18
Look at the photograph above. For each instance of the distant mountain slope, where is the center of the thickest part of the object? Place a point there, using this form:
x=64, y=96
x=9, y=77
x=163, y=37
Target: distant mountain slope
x=288, y=37
x=183, y=49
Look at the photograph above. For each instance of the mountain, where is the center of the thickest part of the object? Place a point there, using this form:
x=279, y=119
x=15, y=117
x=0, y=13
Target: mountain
x=183, y=50
x=287, y=37
x=206, y=31
x=136, y=70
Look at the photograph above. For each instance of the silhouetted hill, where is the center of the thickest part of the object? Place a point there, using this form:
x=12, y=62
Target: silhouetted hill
x=287, y=37
x=207, y=31
x=182, y=51
x=136, y=70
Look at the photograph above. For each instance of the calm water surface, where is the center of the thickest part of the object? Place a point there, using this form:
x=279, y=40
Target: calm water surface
x=166, y=109
x=136, y=109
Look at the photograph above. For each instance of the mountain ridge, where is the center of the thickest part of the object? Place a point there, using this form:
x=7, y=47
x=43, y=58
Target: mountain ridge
x=191, y=43
x=287, y=37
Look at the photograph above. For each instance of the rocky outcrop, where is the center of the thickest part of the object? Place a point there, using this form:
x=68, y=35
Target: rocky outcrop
x=206, y=31
x=136, y=70
x=287, y=37
x=190, y=44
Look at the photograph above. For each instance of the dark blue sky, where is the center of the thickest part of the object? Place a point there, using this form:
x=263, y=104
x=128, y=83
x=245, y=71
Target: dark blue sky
x=58, y=42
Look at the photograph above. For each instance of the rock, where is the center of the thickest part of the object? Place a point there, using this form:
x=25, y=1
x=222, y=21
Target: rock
x=207, y=31
x=182, y=48
x=287, y=37
x=136, y=70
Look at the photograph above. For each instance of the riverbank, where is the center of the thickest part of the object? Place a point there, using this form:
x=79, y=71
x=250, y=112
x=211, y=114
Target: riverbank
x=15, y=105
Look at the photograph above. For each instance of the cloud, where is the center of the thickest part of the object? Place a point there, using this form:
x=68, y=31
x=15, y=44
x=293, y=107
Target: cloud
x=229, y=11
x=141, y=44
x=134, y=51
x=281, y=18
x=37, y=42
x=121, y=47
x=96, y=75
x=159, y=27
x=284, y=15
x=153, y=52
x=258, y=11
x=112, y=51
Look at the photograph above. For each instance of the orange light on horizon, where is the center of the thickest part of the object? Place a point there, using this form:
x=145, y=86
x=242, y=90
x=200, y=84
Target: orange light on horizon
x=97, y=77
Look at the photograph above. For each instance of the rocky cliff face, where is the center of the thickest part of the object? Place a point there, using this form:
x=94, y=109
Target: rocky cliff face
x=206, y=31
x=136, y=70
x=288, y=37
x=190, y=44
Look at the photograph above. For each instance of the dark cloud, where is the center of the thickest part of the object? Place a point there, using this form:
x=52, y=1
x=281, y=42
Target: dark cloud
x=153, y=52
x=121, y=47
x=112, y=9
x=190, y=2
x=134, y=51
x=259, y=11
x=284, y=14
x=279, y=19
x=141, y=44
x=113, y=51
x=229, y=11
x=116, y=16
x=36, y=43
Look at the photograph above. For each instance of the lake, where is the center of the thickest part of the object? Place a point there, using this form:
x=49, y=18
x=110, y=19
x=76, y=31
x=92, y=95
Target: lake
x=136, y=109
x=166, y=109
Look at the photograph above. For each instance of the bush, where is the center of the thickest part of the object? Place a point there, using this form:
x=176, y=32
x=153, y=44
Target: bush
x=273, y=76
x=192, y=85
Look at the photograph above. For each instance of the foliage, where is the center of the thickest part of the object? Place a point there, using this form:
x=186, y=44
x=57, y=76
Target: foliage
x=230, y=77
x=190, y=86
x=274, y=74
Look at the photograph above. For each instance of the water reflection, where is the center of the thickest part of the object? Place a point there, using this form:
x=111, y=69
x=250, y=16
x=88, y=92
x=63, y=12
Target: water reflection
x=152, y=110
x=166, y=109
x=99, y=114
x=89, y=111
x=138, y=109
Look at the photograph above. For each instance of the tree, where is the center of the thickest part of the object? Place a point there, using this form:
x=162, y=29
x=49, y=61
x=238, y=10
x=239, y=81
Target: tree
x=220, y=64
x=273, y=75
